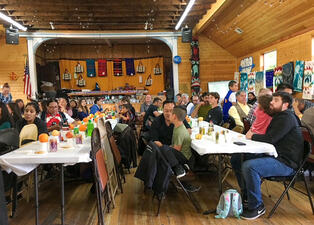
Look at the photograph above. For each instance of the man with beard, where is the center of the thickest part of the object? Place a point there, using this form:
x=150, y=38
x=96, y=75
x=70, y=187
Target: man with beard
x=285, y=134
x=202, y=109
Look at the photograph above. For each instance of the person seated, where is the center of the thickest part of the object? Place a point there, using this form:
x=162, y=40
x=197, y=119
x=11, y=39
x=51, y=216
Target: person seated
x=97, y=106
x=262, y=115
x=20, y=104
x=285, y=87
x=285, y=134
x=5, y=117
x=178, y=99
x=5, y=95
x=251, y=98
x=215, y=113
x=14, y=111
x=53, y=117
x=151, y=113
x=82, y=109
x=126, y=116
x=73, y=106
x=307, y=119
x=300, y=105
x=184, y=100
x=191, y=106
x=146, y=104
x=263, y=91
x=64, y=106
x=202, y=109
x=30, y=117
x=239, y=111
x=230, y=99
x=179, y=152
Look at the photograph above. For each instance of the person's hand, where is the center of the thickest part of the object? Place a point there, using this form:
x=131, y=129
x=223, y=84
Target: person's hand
x=202, y=103
x=249, y=134
x=295, y=104
x=158, y=143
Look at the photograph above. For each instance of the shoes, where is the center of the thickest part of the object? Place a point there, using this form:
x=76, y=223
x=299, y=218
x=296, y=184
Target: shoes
x=253, y=214
x=188, y=187
x=179, y=171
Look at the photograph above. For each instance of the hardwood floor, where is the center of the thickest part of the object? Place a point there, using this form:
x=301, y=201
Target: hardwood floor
x=133, y=207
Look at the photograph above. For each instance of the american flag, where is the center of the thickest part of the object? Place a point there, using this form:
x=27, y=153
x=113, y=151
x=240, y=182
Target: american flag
x=27, y=81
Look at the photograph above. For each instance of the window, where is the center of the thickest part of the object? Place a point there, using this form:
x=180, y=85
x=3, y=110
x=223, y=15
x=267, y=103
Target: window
x=270, y=60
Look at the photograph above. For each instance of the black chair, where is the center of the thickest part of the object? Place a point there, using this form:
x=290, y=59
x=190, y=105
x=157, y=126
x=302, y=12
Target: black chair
x=3, y=207
x=100, y=175
x=289, y=181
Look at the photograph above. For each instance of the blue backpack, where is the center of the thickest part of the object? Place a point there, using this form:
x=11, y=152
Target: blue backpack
x=230, y=204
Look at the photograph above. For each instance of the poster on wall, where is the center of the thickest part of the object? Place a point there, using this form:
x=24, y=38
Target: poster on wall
x=246, y=65
x=130, y=69
x=269, y=79
x=102, y=67
x=244, y=82
x=117, y=67
x=277, y=77
x=90, y=68
x=308, y=83
x=251, y=82
x=259, y=81
x=298, y=76
x=287, y=73
x=236, y=77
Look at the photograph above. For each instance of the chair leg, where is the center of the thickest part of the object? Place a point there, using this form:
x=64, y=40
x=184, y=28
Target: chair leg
x=99, y=205
x=308, y=193
x=284, y=183
x=111, y=194
x=119, y=178
x=122, y=172
x=14, y=197
x=159, y=203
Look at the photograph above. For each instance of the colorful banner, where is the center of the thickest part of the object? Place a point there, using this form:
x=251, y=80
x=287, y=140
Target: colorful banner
x=117, y=67
x=287, y=73
x=259, y=81
x=308, y=83
x=251, y=82
x=244, y=82
x=236, y=77
x=277, y=77
x=90, y=67
x=269, y=79
x=298, y=76
x=102, y=67
x=130, y=69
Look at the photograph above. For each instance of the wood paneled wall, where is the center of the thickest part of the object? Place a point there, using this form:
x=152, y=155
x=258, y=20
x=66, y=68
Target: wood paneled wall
x=12, y=59
x=216, y=64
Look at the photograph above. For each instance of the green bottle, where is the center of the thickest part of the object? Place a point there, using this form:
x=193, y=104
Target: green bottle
x=90, y=128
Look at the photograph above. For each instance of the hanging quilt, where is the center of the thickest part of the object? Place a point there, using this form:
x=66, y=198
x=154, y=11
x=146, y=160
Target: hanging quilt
x=66, y=75
x=298, y=76
x=195, y=66
x=277, y=77
x=269, y=79
x=308, y=83
x=117, y=67
x=130, y=70
x=244, y=82
x=90, y=68
x=78, y=68
x=287, y=73
x=102, y=68
x=140, y=68
x=80, y=82
x=236, y=76
x=157, y=69
x=149, y=81
x=251, y=82
x=259, y=81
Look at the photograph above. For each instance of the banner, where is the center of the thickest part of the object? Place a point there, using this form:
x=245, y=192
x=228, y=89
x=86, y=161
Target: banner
x=298, y=76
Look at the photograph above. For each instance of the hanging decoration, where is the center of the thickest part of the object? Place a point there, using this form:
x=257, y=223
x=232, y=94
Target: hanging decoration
x=117, y=67
x=90, y=68
x=277, y=77
x=78, y=69
x=195, y=82
x=246, y=65
x=80, y=82
x=66, y=75
x=149, y=81
x=244, y=82
x=13, y=76
x=157, y=69
x=177, y=59
x=251, y=82
x=259, y=81
x=269, y=79
x=298, y=76
x=130, y=70
x=97, y=88
x=308, y=83
x=102, y=67
x=236, y=77
x=140, y=68
x=287, y=73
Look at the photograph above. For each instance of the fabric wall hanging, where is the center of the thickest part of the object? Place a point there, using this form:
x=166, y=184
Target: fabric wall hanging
x=66, y=75
x=287, y=73
x=236, y=77
x=102, y=68
x=78, y=68
x=157, y=69
x=140, y=68
x=244, y=82
x=269, y=79
x=80, y=82
x=298, y=76
x=259, y=81
x=149, y=81
x=117, y=67
x=277, y=77
x=251, y=82
x=130, y=70
x=195, y=66
x=308, y=83
x=90, y=68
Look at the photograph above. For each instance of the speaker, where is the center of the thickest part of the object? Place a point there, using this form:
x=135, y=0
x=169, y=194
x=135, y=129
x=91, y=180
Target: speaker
x=12, y=36
x=186, y=35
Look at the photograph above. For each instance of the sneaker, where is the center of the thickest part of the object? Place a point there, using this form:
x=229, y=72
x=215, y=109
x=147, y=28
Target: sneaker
x=179, y=171
x=253, y=214
x=191, y=188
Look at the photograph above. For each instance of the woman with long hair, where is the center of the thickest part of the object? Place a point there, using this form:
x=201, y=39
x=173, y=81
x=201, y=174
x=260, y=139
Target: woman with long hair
x=82, y=109
x=5, y=118
x=73, y=105
x=20, y=104
x=15, y=112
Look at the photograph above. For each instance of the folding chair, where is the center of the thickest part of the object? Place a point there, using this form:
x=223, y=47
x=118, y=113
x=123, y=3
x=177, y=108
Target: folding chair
x=299, y=173
x=100, y=176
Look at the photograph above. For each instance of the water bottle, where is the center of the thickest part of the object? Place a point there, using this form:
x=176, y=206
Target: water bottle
x=90, y=128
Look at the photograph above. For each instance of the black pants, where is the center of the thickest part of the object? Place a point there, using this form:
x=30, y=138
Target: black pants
x=173, y=156
x=3, y=207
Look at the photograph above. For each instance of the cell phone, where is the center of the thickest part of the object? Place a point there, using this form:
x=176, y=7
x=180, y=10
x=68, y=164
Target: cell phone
x=239, y=143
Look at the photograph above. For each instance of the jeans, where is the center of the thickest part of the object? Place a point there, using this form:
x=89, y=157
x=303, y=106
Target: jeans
x=254, y=169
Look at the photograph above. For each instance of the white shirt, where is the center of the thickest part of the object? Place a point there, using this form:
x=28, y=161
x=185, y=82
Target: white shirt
x=69, y=118
x=189, y=107
x=232, y=97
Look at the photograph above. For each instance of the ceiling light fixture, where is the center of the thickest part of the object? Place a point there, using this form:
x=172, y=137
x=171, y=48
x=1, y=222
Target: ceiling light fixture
x=14, y=23
x=51, y=25
x=185, y=13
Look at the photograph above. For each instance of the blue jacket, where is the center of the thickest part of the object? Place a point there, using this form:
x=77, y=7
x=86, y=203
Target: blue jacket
x=95, y=108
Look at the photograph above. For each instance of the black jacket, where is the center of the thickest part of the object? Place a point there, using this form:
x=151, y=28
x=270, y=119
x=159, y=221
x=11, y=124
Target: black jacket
x=285, y=134
x=41, y=125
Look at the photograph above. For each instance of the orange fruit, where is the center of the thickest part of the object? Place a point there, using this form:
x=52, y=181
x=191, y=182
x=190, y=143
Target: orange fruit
x=43, y=137
x=85, y=120
x=69, y=134
x=55, y=133
x=96, y=120
x=71, y=126
x=79, y=122
x=82, y=127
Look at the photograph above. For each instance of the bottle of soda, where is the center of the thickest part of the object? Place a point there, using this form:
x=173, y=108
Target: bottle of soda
x=90, y=128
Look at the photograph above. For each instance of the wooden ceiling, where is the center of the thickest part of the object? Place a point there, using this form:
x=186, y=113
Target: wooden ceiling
x=103, y=14
x=263, y=23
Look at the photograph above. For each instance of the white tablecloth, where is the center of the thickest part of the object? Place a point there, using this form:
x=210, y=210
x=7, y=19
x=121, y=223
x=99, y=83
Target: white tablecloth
x=24, y=160
x=207, y=145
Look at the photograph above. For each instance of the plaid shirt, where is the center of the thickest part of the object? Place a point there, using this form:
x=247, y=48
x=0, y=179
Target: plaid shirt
x=250, y=117
x=4, y=99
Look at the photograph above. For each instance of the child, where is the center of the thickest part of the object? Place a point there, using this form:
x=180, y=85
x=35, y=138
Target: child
x=126, y=117
x=262, y=114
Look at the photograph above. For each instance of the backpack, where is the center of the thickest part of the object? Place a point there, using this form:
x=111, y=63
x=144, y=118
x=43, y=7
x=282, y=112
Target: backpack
x=230, y=204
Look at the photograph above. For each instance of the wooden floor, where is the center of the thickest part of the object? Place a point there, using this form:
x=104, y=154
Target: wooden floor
x=136, y=208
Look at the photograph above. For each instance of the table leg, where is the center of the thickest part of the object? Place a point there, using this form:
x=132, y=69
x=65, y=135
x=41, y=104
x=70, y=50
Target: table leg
x=62, y=194
x=219, y=174
x=36, y=197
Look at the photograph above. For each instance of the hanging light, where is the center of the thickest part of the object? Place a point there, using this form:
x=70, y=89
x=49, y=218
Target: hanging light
x=185, y=13
x=11, y=21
